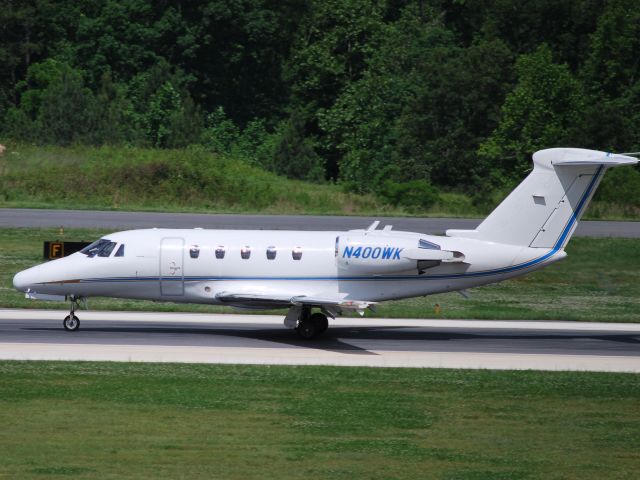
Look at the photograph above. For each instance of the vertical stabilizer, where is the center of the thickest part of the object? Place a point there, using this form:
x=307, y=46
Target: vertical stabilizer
x=543, y=211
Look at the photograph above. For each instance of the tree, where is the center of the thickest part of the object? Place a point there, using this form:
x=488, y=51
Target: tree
x=544, y=110
x=235, y=52
x=118, y=38
x=162, y=109
x=420, y=108
x=363, y=121
x=54, y=105
x=332, y=48
x=112, y=114
x=31, y=31
x=295, y=154
x=612, y=78
x=63, y=116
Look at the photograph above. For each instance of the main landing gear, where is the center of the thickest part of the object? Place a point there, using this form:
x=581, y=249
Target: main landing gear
x=71, y=322
x=306, y=324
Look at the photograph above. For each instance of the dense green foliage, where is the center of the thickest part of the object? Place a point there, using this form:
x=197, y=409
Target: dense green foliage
x=449, y=93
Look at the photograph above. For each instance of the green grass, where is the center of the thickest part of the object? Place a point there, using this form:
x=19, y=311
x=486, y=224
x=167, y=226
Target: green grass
x=598, y=281
x=188, y=180
x=192, y=180
x=168, y=180
x=90, y=420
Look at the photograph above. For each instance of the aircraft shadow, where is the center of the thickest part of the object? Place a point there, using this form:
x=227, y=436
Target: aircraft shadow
x=338, y=339
x=276, y=335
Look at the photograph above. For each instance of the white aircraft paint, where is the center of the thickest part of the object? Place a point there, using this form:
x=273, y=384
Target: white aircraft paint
x=333, y=271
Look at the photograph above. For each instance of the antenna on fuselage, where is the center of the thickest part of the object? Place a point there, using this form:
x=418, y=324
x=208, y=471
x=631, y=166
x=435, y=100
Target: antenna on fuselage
x=373, y=226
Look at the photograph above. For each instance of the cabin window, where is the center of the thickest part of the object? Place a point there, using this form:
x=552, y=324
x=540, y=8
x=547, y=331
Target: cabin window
x=271, y=253
x=245, y=252
x=120, y=251
x=194, y=251
x=106, y=249
x=220, y=252
x=297, y=253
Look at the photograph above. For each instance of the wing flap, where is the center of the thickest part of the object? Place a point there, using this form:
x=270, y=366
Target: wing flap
x=279, y=300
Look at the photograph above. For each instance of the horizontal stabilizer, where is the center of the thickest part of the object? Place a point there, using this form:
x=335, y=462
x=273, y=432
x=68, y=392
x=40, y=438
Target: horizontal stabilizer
x=610, y=159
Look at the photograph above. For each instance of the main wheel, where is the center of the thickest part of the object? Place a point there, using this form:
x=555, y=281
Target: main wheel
x=71, y=323
x=307, y=328
x=321, y=321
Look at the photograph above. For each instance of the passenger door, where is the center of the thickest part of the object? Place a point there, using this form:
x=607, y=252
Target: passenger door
x=172, y=267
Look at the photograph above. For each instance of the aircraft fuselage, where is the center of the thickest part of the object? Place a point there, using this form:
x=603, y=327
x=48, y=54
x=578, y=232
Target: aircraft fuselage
x=195, y=265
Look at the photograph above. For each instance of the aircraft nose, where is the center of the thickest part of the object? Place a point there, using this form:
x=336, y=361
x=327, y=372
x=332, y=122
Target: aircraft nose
x=22, y=280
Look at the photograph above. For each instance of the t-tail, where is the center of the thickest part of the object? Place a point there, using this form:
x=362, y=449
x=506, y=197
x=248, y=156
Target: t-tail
x=544, y=210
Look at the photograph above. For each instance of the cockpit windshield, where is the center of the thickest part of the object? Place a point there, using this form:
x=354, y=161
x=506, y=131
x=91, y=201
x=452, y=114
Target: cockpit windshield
x=107, y=249
x=101, y=248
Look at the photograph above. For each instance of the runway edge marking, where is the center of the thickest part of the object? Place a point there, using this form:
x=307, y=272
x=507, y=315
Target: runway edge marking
x=276, y=356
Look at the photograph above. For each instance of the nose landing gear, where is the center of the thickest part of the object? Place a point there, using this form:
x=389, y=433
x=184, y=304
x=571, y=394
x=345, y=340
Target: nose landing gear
x=71, y=322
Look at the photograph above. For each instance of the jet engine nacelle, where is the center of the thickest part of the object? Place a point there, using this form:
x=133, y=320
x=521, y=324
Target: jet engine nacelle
x=379, y=252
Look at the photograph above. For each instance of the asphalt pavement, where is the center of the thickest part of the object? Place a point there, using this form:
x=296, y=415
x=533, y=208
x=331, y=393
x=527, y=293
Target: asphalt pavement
x=38, y=334
x=112, y=220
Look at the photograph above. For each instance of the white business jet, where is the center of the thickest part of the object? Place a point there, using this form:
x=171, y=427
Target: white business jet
x=332, y=271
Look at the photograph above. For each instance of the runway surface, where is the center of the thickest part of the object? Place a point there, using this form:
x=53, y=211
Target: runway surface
x=13, y=217
x=258, y=339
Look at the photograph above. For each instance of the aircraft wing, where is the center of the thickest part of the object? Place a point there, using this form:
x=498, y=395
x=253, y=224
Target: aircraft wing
x=329, y=302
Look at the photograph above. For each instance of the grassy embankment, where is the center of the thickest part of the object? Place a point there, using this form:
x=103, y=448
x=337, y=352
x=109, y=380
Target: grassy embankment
x=192, y=180
x=598, y=281
x=189, y=180
x=89, y=420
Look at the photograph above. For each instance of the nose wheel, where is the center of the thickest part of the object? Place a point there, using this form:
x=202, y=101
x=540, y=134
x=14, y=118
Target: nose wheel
x=71, y=322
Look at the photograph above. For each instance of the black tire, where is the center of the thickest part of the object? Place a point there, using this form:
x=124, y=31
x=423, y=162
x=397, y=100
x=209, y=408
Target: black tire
x=307, y=329
x=71, y=324
x=321, y=321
